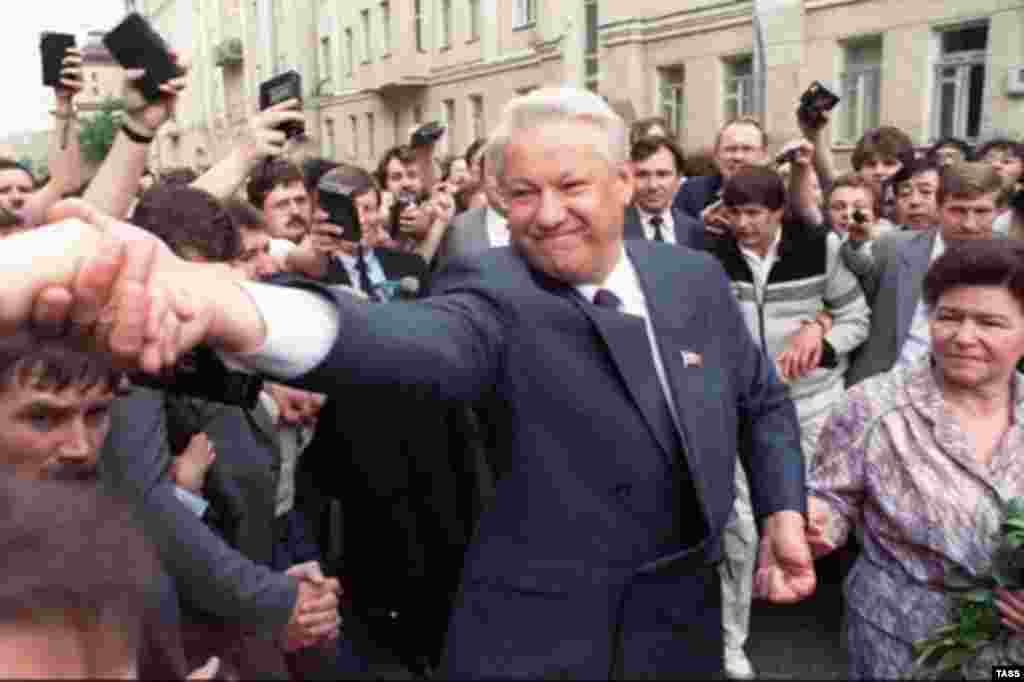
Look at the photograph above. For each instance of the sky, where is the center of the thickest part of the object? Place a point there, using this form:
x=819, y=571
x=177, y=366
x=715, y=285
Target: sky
x=26, y=102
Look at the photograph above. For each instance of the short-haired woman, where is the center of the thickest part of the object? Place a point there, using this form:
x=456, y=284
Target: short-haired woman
x=919, y=461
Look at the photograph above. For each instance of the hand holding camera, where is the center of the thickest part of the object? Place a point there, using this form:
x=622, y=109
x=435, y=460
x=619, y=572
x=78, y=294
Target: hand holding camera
x=796, y=153
x=814, y=112
x=861, y=229
x=263, y=135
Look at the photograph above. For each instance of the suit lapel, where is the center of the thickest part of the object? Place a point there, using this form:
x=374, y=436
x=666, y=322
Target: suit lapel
x=914, y=260
x=261, y=417
x=478, y=239
x=632, y=227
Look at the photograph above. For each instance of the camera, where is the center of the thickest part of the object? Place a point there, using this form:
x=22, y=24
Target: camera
x=427, y=133
x=54, y=47
x=201, y=374
x=336, y=200
x=786, y=157
x=859, y=217
x=816, y=100
x=135, y=45
x=279, y=89
x=404, y=200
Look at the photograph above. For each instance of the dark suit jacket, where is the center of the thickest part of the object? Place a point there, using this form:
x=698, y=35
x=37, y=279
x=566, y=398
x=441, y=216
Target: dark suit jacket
x=689, y=232
x=696, y=194
x=891, y=277
x=580, y=566
x=396, y=265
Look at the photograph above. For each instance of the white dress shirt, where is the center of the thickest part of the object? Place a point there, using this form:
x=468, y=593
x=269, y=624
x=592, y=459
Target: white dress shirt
x=497, y=228
x=302, y=327
x=919, y=339
x=668, y=226
x=762, y=267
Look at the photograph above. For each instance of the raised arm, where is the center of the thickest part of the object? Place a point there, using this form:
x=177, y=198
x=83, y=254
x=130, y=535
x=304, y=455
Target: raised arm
x=117, y=180
x=824, y=162
x=804, y=190
x=65, y=160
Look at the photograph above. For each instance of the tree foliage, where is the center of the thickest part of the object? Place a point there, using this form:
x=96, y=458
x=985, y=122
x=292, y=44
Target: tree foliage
x=96, y=133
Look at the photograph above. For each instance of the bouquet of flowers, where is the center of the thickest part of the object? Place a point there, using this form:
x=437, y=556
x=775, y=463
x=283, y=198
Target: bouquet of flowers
x=976, y=639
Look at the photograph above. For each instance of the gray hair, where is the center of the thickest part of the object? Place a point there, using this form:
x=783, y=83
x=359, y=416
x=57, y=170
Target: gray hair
x=549, y=105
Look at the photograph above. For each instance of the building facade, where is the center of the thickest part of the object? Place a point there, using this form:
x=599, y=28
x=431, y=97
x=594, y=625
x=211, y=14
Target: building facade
x=374, y=68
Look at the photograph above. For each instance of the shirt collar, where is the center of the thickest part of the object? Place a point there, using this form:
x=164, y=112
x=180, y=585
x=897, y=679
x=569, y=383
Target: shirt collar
x=666, y=215
x=939, y=247
x=773, y=248
x=621, y=281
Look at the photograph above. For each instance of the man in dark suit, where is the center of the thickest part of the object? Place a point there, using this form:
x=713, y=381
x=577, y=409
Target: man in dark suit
x=626, y=382
x=658, y=166
x=892, y=269
x=739, y=143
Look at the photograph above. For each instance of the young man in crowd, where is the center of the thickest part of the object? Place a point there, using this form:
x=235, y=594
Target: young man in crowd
x=658, y=164
x=916, y=188
x=783, y=277
x=891, y=272
x=1006, y=158
x=277, y=188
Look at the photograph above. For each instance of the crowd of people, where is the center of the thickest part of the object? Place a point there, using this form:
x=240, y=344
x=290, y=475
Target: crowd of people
x=564, y=407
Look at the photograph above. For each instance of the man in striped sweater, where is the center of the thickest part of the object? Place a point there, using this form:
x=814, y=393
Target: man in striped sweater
x=807, y=312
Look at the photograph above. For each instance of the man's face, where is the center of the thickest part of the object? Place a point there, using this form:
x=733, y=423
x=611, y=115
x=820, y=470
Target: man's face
x=288, y=211
x=53, y=435
x=565, y=201
x=964, y=218
x=255, y=261
x=15, y=188
x=948, y=155
x=1007, y=164
x=656, y=181
x=740, y=144
x=402, y=177
x=844, y=202
x=754, y=226
x=916, y=201
x=876, y=169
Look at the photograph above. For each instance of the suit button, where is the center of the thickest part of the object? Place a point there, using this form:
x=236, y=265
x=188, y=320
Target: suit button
x=622, y=491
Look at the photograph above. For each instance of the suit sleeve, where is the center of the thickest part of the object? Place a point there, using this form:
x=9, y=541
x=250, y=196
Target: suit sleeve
x=863, y=263
x=208, y=573
x=769, y=434
x=450, y=344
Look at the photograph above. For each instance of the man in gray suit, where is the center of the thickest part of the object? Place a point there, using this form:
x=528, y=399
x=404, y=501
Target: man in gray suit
x=891, y=270
x=477, y=229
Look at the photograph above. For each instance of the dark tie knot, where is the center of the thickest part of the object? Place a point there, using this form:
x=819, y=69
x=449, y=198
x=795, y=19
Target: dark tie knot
x=657, y=220
x=606, y=299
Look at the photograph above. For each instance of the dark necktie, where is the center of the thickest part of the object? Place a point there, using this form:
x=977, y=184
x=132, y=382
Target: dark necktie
x=606, y=299
x=364, y=273
x=656, y=223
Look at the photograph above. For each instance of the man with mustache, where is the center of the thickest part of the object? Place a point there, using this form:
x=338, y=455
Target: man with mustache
x=276, y=187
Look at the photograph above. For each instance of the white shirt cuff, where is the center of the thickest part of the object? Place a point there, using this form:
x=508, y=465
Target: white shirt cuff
x=197, y=505
x=301, y=330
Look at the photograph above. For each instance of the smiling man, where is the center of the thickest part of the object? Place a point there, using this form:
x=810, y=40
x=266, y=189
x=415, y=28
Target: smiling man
x=622, y=376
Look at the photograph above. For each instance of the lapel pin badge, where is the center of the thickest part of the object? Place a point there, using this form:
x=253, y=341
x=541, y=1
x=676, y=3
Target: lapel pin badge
x=691, y=359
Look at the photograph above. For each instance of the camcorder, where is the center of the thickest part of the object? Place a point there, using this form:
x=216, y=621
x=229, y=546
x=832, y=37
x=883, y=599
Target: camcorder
x=54, y=48
x=135, y=45
x=281, y=88
x=202, y=374
x=336, y=200
x=428, y=133
x=814, y=102
x=404, y=200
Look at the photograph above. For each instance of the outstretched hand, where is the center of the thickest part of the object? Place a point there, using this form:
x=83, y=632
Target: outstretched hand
x=785, y=569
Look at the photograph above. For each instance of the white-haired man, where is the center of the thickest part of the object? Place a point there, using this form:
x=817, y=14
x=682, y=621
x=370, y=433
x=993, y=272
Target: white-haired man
x=623, y=382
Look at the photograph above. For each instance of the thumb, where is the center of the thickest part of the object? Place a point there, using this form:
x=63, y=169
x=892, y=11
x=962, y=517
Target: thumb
x=208, y=671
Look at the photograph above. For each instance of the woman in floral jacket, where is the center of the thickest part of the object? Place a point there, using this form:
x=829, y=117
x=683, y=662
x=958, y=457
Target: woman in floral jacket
x=921, y=460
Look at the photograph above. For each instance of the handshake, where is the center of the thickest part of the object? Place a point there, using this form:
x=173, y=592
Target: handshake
x=315, y=616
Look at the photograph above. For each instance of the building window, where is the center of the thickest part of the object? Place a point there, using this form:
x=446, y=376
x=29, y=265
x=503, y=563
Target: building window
x=474, y=20
x=418, y=24
x=385, y=27
x=739, y=88
x=326, y=58
x=476, y=113
x=449, y=121
x=860, y=86
x=353, y=146
x=371, y=132
x=960, y=83
x=350, y=51
x=367, y=36
x=671, y=84
x=446, y=24
x=524, y=13
x=331, y=151
x=590, y=66
x=417, y=115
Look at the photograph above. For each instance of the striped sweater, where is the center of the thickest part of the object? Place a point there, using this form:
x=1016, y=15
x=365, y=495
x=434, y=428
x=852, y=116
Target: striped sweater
x=807, y=277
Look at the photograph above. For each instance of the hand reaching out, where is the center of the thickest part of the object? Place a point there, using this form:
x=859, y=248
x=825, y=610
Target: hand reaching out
x=151, y=115
x=785, y=569
x=315, y=615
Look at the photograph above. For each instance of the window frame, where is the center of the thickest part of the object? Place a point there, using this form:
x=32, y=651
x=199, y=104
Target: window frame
x=524, y=14
x=963, y=61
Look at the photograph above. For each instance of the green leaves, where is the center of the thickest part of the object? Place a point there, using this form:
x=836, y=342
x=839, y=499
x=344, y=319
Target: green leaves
x=975, y=629
x=96, y=133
